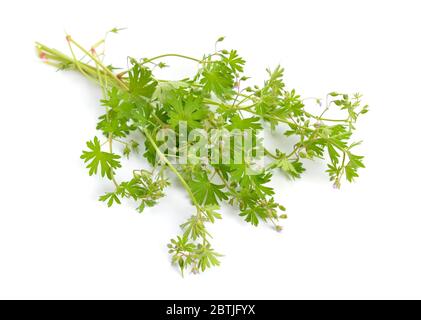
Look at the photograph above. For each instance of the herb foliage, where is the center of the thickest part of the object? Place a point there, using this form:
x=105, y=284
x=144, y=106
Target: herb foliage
x=213, y=98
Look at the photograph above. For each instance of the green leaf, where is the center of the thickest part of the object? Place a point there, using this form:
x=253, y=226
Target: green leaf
x=298, y=169
x=333, y=154
x=141, y=82
x=253, y=215
x=116, y=121
x=218, y=79
x=351, y=172
x=243, y=124
x=211, y=213
x=111, y=198
x=235, y=61
x=98, y=159
x=194, y=228
x=116, y=30
x=206, y=192
x=286, y=165
x=207, y=257
x=355, y=162
x=293, y=169
x=190, y=110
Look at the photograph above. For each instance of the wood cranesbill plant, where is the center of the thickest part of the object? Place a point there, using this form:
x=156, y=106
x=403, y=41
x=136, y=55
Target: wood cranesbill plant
x=214, y=98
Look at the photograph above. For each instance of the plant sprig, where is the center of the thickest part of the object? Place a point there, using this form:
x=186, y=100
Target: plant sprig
x=214, y=98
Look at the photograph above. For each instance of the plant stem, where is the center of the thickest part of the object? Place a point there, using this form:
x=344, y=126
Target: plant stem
x=171, y=55
x=65, y=61
x=173, y=169
x=99, y=63
x=148, y=60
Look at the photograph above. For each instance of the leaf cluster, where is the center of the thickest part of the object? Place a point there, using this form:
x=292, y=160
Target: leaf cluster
x=137, y=105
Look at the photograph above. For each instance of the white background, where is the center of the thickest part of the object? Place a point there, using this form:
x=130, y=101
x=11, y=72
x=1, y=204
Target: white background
x=363, y=241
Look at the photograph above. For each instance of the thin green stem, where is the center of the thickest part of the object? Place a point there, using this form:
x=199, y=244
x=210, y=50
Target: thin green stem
x=76, y=61
x=325, y=119
x=149, y=60
x=66, y=62
x=225, y=182
x=173, y=169
x=99, y=63
x=246, y=97
x=270, y=154
x=171, y=55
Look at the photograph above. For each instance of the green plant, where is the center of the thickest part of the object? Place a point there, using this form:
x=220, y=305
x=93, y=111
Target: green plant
x=214, y=98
